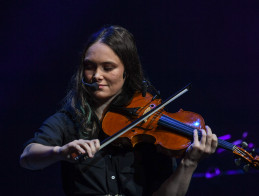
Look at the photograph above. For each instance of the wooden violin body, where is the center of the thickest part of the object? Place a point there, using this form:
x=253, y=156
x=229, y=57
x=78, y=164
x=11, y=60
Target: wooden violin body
x=149, y=130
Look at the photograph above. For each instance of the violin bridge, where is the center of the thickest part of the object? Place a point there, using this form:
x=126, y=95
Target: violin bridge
x=146, y=111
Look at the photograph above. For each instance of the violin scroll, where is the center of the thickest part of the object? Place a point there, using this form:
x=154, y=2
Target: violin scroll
x=248, y=158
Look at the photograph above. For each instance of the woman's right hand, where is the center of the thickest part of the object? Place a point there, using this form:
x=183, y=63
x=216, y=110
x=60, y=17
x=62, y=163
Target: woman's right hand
x=77, y=147
x=37, y=156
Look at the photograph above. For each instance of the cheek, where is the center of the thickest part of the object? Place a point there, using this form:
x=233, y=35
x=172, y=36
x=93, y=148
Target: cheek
x=88, y=75
x=117, y=79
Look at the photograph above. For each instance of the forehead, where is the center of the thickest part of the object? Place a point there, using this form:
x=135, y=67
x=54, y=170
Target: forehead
x=100, y=52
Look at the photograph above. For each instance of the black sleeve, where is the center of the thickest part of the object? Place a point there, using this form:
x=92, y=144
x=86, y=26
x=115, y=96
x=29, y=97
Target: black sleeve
x=54, y=131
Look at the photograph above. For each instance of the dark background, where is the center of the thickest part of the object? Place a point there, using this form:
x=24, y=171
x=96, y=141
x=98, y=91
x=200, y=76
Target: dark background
x=212, y=44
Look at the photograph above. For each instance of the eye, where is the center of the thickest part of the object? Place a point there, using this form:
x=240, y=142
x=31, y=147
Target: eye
x=89, y=66
x=108, y=68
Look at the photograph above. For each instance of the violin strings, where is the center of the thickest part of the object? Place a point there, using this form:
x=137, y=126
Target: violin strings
x=236, y=149
x=189, y=130
x=172, y=123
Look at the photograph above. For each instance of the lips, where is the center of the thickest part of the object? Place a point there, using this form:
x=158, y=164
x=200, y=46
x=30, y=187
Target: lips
x=102, y=85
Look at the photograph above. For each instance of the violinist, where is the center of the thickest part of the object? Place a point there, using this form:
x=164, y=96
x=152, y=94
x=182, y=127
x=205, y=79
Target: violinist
x=109, y=75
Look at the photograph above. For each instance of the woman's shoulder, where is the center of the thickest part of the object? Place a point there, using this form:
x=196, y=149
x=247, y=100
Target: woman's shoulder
x=60, y=118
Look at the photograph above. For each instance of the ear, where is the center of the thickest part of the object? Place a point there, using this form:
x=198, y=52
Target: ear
x=124, y=74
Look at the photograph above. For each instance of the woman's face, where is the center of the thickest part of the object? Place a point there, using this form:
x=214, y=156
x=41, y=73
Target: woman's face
x=103, y=66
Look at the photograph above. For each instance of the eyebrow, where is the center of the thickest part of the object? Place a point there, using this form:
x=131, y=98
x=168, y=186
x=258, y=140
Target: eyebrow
x=103, y=63
x=87, y=61
x=108, y=62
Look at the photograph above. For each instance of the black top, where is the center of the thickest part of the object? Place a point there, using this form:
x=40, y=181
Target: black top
x=113, y=170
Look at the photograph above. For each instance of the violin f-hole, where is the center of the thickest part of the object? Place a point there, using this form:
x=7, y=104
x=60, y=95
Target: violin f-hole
x=142, y=138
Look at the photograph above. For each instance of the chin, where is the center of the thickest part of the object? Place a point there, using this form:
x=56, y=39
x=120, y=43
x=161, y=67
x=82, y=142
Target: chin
x=100, y=96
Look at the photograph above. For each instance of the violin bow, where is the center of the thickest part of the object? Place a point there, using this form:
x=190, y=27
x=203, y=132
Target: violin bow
x=113, y=137
x=144, y=117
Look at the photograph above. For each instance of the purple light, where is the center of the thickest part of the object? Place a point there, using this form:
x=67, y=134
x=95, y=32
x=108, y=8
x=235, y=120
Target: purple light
x=234, y=172
x=217, y=172
x=212, y=173
x=225, y=137
x=245, y=134
x=237, y=142
x=208, y=175
x=251, y=145
x=220, y=150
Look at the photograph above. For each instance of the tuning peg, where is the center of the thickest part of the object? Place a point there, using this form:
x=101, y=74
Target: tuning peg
x=253, y=152
x=246, y=167
x=238, y=162
x=244, y=145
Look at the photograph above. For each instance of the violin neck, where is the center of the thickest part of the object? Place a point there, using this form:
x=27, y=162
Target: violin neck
x=187, y=130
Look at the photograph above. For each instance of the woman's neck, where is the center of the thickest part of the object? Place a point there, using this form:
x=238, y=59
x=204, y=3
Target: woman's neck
x=101, y=107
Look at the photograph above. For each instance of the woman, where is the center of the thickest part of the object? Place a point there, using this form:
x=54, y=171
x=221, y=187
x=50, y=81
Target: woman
x=110, y=60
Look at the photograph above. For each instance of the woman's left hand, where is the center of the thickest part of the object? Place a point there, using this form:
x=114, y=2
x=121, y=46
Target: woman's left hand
x=198, y=149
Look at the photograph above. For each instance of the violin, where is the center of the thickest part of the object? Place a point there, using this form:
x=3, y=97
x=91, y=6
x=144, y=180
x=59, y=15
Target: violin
x=145, y=120
x=170, y=132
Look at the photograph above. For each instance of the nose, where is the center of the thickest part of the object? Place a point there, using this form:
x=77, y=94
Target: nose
x=98, y=75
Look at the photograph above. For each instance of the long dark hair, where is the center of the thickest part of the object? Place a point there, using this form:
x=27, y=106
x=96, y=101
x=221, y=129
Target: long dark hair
x=79, y=99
